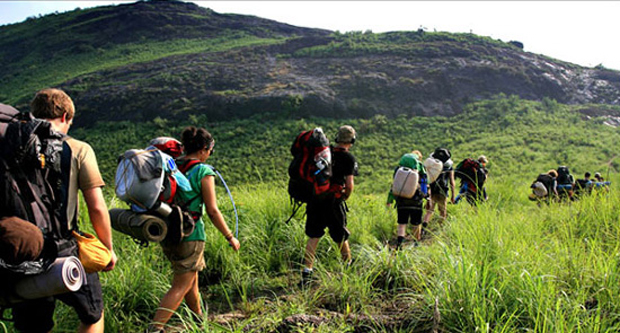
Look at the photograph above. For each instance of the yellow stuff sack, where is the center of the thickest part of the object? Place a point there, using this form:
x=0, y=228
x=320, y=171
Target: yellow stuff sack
x=92, y=253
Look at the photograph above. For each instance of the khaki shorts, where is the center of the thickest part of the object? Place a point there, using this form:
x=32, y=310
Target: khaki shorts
x=186, y=256
x=439, y=201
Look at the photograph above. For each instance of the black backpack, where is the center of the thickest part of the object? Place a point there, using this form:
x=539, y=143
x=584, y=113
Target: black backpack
x=546, y=180
x=564, y=176
x=311, y=168
x=441, y=154
x=441, y=184
x=31, y=178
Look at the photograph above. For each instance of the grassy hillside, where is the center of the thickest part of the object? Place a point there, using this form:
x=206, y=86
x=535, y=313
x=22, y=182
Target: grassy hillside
x=57, y=48
x=520, y=137
x=506, y=266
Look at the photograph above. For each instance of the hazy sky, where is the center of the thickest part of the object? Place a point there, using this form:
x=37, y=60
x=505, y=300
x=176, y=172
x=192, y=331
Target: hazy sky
x=581, y=32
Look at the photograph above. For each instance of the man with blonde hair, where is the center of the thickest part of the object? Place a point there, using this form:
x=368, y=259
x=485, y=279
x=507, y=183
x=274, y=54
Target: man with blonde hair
x=81, y=173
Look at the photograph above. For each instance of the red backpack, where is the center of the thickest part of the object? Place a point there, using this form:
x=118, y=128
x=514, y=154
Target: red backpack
x=470, y=171
x=168, y=145
x=174, y=148
x=311, y=167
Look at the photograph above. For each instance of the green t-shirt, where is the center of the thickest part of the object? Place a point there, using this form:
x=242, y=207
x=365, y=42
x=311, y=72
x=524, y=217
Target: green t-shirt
x=195, y=176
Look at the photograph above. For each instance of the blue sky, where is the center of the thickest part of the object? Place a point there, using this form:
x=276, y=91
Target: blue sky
x=581, y=32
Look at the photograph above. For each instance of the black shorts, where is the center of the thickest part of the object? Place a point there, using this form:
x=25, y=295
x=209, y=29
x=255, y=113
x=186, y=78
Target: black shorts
x=411, y=215
x=37, y=315
x=331, y=214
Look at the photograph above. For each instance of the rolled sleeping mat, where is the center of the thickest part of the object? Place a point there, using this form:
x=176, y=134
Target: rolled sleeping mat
x=539, y=189
x=66, y=274
x=144, y=227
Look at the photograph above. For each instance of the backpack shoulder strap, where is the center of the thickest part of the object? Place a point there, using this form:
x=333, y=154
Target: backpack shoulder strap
x=185, y=167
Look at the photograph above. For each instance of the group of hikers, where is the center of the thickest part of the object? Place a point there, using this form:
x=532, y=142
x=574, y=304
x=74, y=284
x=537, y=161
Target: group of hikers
x=434, y=182
x=24, y=246
x=322, y=175
x=557, y=185
x=57, y=192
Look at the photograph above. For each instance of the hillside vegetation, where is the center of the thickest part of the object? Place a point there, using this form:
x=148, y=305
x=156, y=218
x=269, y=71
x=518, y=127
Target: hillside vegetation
x=173, y=59
x=520, y=137
x=507, y=266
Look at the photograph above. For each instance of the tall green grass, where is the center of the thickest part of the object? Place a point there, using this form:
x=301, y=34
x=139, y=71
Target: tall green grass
x=504, y=266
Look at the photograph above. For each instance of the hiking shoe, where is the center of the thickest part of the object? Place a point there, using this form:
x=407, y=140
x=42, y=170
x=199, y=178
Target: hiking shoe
x=350, y=263
x=306, y=279
x=151, y=329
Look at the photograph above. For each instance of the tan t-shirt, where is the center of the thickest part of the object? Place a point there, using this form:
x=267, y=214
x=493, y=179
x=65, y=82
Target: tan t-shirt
x=84, y=174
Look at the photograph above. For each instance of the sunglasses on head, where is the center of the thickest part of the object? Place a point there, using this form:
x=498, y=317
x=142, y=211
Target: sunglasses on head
x=211, y=147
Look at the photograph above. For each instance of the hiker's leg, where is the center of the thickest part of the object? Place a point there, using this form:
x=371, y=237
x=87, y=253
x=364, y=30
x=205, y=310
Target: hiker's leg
x=415, y=218
x=92, y=328
x=401, y=230
x=316, y=217
x=310, y=252
x=181, y=284
x=345, y=251
x=442, y=207
x=192, y=298
x=417, y=232
x=88, y=304
x=430, y=207
x=338, y=230
x=34, y=315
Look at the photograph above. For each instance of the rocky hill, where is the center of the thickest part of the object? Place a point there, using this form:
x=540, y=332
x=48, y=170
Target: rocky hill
x=172, y=59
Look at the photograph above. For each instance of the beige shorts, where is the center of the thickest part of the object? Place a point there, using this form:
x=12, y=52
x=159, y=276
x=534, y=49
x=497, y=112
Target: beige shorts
x=186, y=256
x=438, y=201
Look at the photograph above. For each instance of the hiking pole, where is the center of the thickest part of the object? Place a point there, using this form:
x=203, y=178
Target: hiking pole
x=231, y=200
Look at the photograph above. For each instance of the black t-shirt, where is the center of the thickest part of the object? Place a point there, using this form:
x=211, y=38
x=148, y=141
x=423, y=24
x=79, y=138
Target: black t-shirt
x=440, y=185
x=344, y=164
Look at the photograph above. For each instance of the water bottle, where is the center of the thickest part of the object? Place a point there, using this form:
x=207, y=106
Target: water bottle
x=320, y=165
x=423, y=185
x=164, y=209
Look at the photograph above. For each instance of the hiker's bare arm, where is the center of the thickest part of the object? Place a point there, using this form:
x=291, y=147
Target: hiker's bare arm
x=100, y=219
x=349, y=184
x=210, y=200
x=452, y=186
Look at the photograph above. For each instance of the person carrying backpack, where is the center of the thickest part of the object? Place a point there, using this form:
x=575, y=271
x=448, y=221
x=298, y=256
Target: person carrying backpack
x=330, y=211
x=544, y=187
x=409, y=203
x=187, y=257
x=565, y=183
x=79, y=173
x=600, y=183
x=441, y=186
x=473, y=175
x=583, y=186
